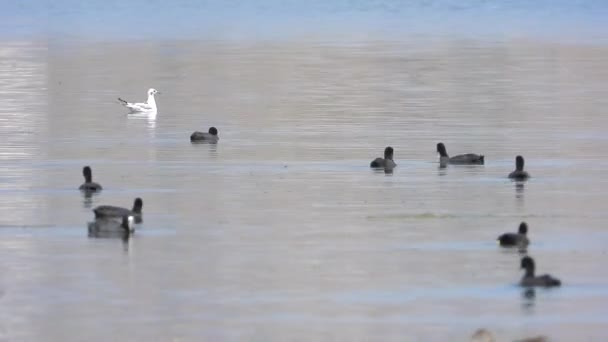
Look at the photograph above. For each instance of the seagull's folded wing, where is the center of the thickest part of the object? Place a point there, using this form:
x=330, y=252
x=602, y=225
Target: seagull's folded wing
x=143, y=105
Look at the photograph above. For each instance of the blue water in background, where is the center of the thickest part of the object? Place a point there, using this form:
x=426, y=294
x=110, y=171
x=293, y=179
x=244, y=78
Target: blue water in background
x=188, y=19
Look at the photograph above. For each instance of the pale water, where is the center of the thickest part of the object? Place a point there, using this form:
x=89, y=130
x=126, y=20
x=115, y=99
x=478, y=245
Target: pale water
x=281, y=232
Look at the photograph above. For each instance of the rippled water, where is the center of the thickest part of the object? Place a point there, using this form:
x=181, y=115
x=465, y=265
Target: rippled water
x=281, y=231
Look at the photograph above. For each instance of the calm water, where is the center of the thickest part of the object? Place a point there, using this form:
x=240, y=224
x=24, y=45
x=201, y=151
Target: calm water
x=281, y=232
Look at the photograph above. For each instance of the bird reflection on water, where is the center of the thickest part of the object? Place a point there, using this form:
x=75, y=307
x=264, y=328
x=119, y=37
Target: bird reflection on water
x=111, y=227
x=519, y=189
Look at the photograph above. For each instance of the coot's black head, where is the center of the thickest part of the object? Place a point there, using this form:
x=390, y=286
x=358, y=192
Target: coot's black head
x=137, y=205
x=388, y=153
x=523, y=228
x=87, y=173
x=519, y=163
x=527, y=263
x=212, y=130
x=441, y=150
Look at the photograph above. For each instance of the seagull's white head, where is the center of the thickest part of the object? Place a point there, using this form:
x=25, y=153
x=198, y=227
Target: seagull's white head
x=152, y=92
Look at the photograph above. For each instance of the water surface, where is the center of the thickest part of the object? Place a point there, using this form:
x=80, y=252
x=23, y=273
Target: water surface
x=281, y=231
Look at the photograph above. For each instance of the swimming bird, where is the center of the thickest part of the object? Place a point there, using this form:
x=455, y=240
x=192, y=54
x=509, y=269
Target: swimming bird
x=461, y=159
x=109, y=211
x=386, y=162
x=483, y=335
x=107, y=227
x=530, y=280
x=515, y=239
x=89, y=185
x=519, y=173
x=146, y=107
x=205, y=137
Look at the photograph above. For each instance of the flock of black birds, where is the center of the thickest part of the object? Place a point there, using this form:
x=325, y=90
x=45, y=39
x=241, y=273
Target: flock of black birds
x=519, y=239
x=112, y=220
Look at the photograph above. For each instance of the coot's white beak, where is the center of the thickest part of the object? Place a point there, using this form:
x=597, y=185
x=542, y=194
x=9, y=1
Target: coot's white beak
x=131, y=220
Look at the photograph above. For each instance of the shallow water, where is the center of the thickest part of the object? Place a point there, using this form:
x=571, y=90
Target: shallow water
x=281, y=231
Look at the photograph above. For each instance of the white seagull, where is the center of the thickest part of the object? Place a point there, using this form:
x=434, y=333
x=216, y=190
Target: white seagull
x=146, y=107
